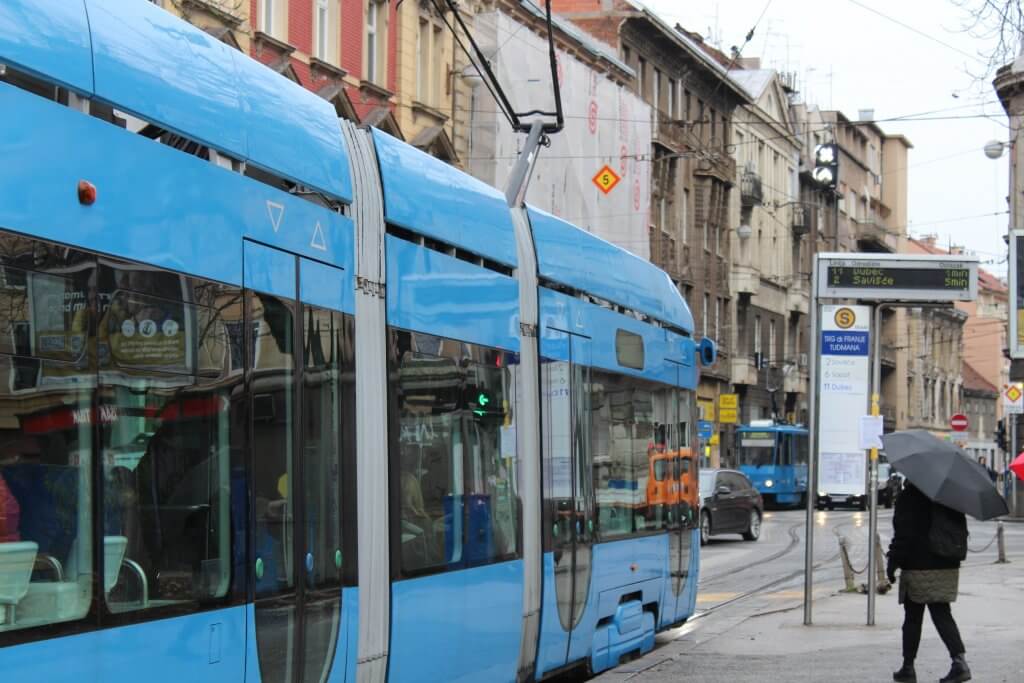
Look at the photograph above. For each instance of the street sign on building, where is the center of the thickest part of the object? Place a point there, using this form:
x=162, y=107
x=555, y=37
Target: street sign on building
x=606, y=179
x=1013, y=399
x=728, y=408
x=898, y=277
x=959, y=422
x=705, y=429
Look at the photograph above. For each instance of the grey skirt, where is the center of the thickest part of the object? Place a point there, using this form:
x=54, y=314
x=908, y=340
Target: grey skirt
x=929, y=585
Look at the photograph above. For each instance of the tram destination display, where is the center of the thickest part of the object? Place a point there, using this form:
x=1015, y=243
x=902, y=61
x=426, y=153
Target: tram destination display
x=898, y=277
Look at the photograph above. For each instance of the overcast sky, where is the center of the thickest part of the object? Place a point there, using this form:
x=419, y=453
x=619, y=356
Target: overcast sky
x=847, y=57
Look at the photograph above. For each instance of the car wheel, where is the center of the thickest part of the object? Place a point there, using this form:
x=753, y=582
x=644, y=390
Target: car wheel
x=705, y=527
x=753, y=531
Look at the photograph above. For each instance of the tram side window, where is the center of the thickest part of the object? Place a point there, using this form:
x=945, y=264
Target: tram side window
x=801, y=448
x=784, y=452
x=454, y=452
x=167, y=432
x=47, y=380
x=624, y=433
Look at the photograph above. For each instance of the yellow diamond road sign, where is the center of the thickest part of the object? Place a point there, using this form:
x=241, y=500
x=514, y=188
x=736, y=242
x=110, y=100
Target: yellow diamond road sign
x=1013, y=399
x=606, y=179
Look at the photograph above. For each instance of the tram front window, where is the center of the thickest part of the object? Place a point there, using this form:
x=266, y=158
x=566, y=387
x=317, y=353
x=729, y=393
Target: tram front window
x=756, y=449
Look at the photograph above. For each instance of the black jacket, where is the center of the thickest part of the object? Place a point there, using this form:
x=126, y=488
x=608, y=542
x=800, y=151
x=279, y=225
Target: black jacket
x=911, y=521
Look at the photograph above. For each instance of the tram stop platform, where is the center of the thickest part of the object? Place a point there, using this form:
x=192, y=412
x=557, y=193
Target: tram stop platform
x=765, y=640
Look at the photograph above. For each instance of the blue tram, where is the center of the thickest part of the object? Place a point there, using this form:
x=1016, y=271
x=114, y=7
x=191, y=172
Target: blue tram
x=288, y=400
x=774, y=458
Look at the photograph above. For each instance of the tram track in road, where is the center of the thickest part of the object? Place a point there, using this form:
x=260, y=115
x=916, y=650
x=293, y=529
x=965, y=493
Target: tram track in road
x=760, y=589
x=794, y=539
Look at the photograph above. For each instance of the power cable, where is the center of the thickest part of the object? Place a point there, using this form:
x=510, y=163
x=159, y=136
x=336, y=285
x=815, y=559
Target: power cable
x=913, y=30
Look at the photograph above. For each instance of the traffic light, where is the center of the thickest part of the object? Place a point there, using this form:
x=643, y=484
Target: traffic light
x=826, y=165
x=1001, y=435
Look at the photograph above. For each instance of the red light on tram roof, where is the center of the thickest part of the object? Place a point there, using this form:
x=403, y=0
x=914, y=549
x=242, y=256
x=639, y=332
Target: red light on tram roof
x=86, y=193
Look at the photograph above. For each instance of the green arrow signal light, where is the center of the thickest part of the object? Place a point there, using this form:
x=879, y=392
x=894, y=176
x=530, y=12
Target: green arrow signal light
x=482, y=400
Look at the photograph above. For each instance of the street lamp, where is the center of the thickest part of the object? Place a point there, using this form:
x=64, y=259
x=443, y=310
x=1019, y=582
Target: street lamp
x=994, y=149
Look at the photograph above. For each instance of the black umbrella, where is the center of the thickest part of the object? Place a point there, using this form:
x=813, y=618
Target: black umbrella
x=944, y=473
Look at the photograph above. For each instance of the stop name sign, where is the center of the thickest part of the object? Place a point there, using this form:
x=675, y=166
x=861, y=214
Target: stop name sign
x=958, y=422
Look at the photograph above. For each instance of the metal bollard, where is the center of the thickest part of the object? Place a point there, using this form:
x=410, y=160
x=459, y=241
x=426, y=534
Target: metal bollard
x=844, y=554
x=882, y=580
x=1001, y=545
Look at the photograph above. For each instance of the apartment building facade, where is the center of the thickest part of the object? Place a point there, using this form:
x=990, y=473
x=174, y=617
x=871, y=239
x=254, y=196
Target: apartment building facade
x=686, y=84
x=768, y=279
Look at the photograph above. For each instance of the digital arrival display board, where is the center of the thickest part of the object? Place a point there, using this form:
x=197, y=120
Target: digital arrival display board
x=897, y=277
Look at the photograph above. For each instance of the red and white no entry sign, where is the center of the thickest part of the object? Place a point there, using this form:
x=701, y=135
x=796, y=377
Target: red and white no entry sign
x=958, y=422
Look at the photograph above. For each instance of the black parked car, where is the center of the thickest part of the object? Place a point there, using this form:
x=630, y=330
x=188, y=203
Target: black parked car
x=729, y=505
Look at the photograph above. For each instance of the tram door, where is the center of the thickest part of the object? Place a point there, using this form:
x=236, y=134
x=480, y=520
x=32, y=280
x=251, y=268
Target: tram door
x=683, y=514
x=298, y=351
x=569, y=492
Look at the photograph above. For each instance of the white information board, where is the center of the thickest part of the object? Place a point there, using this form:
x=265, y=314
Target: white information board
x=843, y=385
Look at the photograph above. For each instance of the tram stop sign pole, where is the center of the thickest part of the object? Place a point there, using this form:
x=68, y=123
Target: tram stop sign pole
x=882, y=281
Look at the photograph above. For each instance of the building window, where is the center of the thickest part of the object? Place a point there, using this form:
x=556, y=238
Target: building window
x=656, y=90
x=704, y=314
x=374, y=41
x=771, y=340
x=641, y=76
x=268, y=16
x=707, y=235
x=322, y=28
x=685, y=210
x=700, y=120
x=718, y=318
x=686, y=106
x=423, y=62
x=672, y=98
x=757, y=334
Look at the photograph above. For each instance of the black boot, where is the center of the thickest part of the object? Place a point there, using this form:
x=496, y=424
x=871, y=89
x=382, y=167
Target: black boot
x=958, y=671
x=906, y=674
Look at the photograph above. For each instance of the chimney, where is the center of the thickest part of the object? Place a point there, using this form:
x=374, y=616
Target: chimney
x=929, y=240
x=866, y=114
x=749, y=62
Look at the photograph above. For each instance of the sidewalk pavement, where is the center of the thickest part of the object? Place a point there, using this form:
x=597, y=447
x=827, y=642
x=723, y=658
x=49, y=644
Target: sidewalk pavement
x=772, y=644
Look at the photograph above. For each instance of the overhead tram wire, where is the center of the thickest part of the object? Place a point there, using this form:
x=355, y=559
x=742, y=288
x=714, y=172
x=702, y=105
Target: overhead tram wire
x=910, y=28
x=487, y=74
x=500, y=101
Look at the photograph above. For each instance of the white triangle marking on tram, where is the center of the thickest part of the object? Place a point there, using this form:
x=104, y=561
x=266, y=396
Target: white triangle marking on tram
x=318, y=241
x=276, y=212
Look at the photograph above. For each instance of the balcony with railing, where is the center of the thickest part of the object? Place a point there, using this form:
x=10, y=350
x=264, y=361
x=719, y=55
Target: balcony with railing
x=887, y=354
x=751, y=191
x=742, y=369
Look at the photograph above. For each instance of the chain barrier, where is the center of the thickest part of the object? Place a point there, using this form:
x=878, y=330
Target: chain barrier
x=987, y=546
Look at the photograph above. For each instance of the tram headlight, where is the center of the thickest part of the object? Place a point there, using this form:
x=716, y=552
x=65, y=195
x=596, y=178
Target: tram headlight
x=768, y=483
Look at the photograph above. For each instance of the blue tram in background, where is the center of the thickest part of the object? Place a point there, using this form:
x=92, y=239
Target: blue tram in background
x=283, y=399
x=774, y=458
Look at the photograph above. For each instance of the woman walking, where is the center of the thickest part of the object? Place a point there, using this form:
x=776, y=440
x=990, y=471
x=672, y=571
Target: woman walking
x=923, y=532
